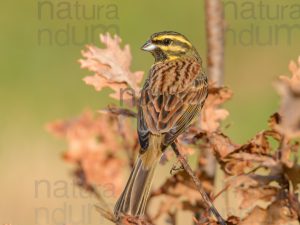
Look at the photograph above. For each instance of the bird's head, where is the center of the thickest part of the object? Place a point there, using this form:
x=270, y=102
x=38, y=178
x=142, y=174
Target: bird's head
x=169, y=45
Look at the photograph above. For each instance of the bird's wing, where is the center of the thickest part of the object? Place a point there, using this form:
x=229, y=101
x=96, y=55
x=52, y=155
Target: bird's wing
x=169, y=113
x=191, y=104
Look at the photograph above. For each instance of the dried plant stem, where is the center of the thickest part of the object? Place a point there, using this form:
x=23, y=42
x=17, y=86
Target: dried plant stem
x=285, y=151
x=215, y=35
x=198, y=184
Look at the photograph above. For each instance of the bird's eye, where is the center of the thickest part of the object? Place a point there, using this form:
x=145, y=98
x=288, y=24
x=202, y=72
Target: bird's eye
x=167, y=41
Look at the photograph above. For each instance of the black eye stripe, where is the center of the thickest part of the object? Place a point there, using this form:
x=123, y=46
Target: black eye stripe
x=166, y=41
x=156, y=42
x=169, y=41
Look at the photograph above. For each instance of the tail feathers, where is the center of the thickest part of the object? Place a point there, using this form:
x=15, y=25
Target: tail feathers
x=135, y=195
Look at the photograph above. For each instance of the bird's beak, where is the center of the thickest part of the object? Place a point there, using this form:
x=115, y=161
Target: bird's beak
x=148, y=46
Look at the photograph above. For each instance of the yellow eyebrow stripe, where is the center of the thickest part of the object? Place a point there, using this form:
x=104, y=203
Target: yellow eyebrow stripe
x=173, y=37
x=172, y=48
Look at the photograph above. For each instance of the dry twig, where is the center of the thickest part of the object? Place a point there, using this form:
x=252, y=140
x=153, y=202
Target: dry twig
x=197, y=182
x=215, y=40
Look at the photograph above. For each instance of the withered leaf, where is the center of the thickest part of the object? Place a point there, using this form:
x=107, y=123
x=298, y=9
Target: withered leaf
x=293, y=174
x=278, y=213
x=221, y=144
x=289, y=90
x=93, y=142
x=212, y=114
x=111, y=66
x=250, y=155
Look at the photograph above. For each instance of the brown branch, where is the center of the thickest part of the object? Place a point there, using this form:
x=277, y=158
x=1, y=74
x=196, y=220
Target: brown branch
x=214, y=197
x=215, y=35
x=198, y=184
x=119, y=111
x=284, y=151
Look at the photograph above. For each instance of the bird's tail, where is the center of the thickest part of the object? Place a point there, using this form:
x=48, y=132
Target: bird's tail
x=134, y=198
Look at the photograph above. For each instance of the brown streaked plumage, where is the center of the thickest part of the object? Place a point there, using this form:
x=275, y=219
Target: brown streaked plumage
x=172, y=96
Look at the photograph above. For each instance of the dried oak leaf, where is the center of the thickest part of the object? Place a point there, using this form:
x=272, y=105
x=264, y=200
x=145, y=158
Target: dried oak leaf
x=92, y=143
x=221, y=144
x=251, y=189
x=277, y=213
x=286, y=147
x=212, y=114
x=181, y=184
x=179, y=193
x=111, y=66
x=167, y=205
x=293, y=174
x=289, y=90
x=248, y=156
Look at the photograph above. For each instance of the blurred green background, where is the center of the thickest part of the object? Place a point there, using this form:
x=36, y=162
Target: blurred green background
x=42, y=81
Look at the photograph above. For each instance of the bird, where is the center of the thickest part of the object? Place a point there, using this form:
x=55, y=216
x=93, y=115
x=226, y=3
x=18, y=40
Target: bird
x=171, y=99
